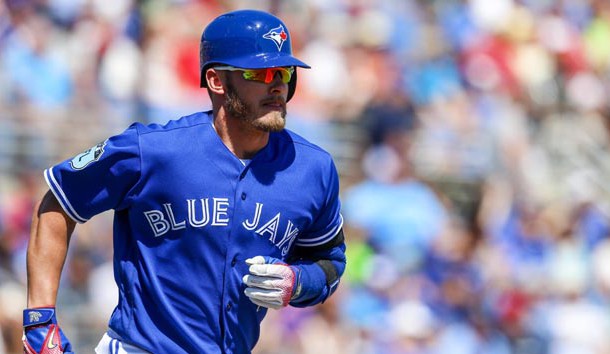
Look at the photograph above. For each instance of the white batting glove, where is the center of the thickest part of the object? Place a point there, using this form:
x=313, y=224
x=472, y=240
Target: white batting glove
x=270, y=282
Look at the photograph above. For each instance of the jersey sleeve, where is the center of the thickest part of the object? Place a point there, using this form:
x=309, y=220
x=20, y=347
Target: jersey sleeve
x=324, y=231
x=98, y=179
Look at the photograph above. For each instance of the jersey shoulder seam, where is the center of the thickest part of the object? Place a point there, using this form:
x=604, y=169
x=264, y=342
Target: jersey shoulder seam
x=131, y=193
x=170, y=129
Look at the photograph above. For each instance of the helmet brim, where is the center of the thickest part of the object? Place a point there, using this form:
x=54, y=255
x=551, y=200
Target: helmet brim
x=267, y=60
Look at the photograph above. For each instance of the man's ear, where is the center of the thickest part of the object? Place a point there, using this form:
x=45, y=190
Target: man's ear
x=214, y=82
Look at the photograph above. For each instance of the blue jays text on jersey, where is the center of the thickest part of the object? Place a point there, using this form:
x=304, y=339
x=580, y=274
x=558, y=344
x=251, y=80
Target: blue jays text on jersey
x=201, y=214
x=188, y=213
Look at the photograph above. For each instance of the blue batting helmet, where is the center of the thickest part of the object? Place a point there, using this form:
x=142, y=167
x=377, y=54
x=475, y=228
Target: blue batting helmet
x=248, y=39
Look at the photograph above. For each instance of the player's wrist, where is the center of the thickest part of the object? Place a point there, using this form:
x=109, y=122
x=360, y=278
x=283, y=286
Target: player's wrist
x=35, y=316
x=296, y=282
x=39, y=297
x=309, y=283
x=39, y=307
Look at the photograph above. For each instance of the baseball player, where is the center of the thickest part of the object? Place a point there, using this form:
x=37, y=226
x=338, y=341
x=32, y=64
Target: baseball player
x=218, y=216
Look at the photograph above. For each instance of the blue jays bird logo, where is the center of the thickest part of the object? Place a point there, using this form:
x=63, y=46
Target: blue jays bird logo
x=278, y=35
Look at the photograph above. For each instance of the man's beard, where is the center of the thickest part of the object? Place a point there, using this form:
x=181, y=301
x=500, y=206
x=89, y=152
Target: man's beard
x=236, y=107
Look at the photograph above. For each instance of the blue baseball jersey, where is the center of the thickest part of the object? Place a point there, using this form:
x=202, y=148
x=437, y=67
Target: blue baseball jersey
x=188, y=213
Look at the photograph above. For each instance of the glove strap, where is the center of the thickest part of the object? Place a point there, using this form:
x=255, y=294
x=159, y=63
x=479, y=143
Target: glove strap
x=297, y=287
x=38, y=316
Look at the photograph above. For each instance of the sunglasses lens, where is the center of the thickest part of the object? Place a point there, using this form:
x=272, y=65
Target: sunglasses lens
x=267, y=75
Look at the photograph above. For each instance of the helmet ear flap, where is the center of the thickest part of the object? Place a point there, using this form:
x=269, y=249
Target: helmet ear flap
x=292, y=85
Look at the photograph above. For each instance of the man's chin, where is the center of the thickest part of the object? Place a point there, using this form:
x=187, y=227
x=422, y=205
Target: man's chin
x=271, y=122
x=270, y=127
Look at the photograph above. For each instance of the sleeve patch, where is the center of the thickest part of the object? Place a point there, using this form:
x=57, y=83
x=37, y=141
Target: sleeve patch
x=83, y=159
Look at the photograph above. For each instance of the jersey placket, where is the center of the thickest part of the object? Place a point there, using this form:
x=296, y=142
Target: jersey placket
x=231, y=292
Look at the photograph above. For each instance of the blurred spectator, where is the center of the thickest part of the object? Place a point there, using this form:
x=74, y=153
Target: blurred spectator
x=400, y=215
x=37, y=75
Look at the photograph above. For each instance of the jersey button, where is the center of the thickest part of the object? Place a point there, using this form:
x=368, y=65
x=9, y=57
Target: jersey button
x=229, y=306
x=243, y=196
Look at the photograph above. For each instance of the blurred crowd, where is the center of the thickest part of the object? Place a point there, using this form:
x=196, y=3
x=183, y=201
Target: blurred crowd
x=472, y=138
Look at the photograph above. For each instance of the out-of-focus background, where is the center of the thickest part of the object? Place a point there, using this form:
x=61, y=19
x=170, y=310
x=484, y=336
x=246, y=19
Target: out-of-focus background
x=471, y=137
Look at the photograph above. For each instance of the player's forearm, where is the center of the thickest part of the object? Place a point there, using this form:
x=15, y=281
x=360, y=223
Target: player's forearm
x=47, y=249
x=320, y=275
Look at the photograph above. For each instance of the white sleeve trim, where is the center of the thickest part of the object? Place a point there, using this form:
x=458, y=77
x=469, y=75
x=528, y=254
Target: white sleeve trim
x=320, y=240
x=61, y=196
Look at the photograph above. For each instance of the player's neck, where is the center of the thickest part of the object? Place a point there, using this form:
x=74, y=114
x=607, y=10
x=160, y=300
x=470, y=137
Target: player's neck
x=241, y=139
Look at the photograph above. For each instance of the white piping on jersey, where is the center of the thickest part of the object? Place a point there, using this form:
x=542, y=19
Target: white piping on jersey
x=114, y=346
x=320, y=240
x=61, y=198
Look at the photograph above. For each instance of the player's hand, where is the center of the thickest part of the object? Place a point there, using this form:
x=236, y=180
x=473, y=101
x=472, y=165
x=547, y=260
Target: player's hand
x=271, y=283
x=41, y=334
